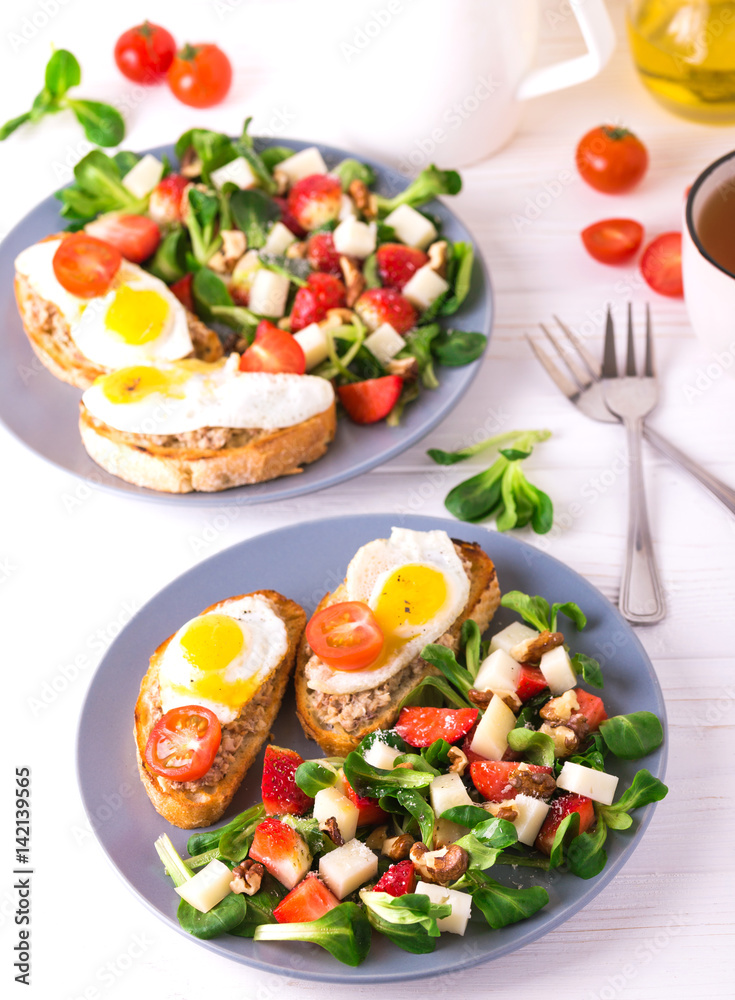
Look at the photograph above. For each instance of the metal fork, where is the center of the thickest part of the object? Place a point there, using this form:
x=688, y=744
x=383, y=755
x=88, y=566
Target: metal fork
x=632, y=397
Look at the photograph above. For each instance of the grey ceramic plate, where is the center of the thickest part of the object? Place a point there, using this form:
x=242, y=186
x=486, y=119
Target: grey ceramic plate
x=303, y=562
x=42, y=411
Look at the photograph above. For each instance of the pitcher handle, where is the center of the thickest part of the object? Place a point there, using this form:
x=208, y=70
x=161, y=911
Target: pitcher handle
x=599, y=35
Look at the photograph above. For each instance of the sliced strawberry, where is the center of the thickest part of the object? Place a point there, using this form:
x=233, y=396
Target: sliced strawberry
x=422, y=726
x=398, y=263
x=135, y=236
x=321, y=253
x=560, y=808
x=315, y=200
x=530, y=682
x=282, y=850
x=281, y=794
x=492, y=778
x=592, y=708
x=169, y=201
x=288, y=220
x=369, y=812
x=384, y=305
x=465, y=746
x=372, y=400
x=312, y=302
x=398, y=880
x=182, y=291
x=309, y=900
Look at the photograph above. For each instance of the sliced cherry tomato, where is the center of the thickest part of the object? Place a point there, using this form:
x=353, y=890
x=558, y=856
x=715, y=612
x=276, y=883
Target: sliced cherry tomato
x=661, y=265
x=273, y=350
x=135, y=236
x=345, y=636
x=145, y=52
x=372, y=400
x=85, y=266
x=613, y=241
x=183, y=743
x=182, y=291
x=611, y=159
x=200, y=75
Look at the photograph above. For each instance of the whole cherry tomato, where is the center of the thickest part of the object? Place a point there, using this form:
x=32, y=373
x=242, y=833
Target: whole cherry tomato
x=611, y=159
x=145, y=52
x=200, y=75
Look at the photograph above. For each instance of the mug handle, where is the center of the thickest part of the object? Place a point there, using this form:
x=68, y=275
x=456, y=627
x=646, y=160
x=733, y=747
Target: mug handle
x=599, y=35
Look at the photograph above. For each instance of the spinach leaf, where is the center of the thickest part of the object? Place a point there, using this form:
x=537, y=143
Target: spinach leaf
x=479, y=496
x=470, y=640
x=308, y=828
x=593, y=755
x=409, y=920
x=389, y=736
x=213, y=149
x=343, y=931
x=459, y=276
x=221, y=919
x=350, y=170
x=417, y=806
x=443, y=658
x=97, y=188
x=585, y=855
x=370, y=272
x=169, y=261
x=246, y=148
x=434, y=691
x=260, y=907
x=571, y=610
x=567, y=830
x=417, y=761
x=589, y=668
x=437, y=754
x=429, y=184
x=534, y=610
x=480, y=855
x=418, y=345
x=466, y=815
x=201, y=223
x=529, y=714
x=537, y=748
x=236, y=838
x=643, y=790
x=254, y=213
x=452, y=457
x=273, y=155
x=238, y=318
x=502, y=906
x=312, y=776
x=632, y=736
x=375, y=781
x=209, y=290
x=102, y=124
x=62, y=72
x=198, y=843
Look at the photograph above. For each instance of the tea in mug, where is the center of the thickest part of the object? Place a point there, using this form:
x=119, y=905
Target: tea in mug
x=716, y=226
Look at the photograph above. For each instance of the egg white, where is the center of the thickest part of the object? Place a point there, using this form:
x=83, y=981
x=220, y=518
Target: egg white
x=266, y=643
x=366, y=575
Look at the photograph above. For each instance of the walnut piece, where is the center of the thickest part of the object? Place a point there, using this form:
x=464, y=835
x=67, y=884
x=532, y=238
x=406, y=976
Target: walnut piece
x=281, y=179
x=480, y=699
x=234, y=245
x=191, y=165
x=560, y=709
x=296, y=251
x=376, y=838
x=246, y=878
x=438, y=257
x=332, y=830
x=364, y=199
x=439, y=867
x=537, y=784
x=407, y=368
x=397, y=848
x=565, y=739
x=354, y=280
x=531, y=650
x=459, y=761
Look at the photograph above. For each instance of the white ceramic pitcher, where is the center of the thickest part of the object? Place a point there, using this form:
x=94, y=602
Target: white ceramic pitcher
x=420, y=81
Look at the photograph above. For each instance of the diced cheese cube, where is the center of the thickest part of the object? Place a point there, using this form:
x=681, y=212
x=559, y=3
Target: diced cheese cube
x=302, y=164
x=381, y=755
x=348, y=867
x=143, y=176
x=461, y=903
x=498, y=672
x=205, y=889
x=313, y=341
x=558, y=670
x=531, y=813
x=346, y=208
x=424, y=287
x=354, y=238
x=330, y=802
x=491, y=736
x=510, y=636
x=237, y=171
x=446, y=832
x=411, y=227
x=268, y=293
x=385, y=343
x=245, y=269
x=597, y=785
x=279, y=239
x=447, y=791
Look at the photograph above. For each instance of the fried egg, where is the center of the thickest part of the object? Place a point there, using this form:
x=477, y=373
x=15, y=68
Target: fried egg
x=416, y=586
x=180, y=396
x=220, y=659
x=138, y=319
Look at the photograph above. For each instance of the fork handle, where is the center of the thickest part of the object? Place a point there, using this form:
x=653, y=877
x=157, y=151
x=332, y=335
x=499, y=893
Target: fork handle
x=721, y=491
x=641, y=594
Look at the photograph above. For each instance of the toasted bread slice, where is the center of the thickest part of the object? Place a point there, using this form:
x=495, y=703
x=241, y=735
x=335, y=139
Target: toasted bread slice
x=209, y=460
x=200, y=803
x=322, y=715
x=49, y=336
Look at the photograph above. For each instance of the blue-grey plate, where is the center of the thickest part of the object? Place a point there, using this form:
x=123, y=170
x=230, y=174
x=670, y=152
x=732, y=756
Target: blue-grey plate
x=303, y=562
x=43, y=412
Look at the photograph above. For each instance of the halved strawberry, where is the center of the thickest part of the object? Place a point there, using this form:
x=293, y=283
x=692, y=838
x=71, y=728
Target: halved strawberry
x=398, y=263
x=372, y=400
x=530, y=682
x=385, y=305
x=281, y=794
x=309, y=900
x=322, y=255
x=398, y=880
x=422, y=726
x=182, y=291
x=135, y=236
x=168, y=201
x=492, y=778
x=315, y=200
x=288, y=220
x=369, y=812
x=560, y=808
x=282, y=850
x=312, y=302
x=592, y=708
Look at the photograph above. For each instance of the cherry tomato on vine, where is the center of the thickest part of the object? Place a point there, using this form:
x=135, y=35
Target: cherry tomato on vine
x=200, y=75
x=183, y=743
x=611, y=160
x=613, y=241
x=345, y=636
x=144, y=53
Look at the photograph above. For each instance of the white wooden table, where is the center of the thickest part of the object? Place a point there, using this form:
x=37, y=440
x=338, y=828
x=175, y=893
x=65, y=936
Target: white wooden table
x=75, y=563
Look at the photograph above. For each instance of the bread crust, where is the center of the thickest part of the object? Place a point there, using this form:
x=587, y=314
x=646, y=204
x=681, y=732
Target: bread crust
x=482, y=603
x=49, y=336
x=267, y=455
x=188, y=808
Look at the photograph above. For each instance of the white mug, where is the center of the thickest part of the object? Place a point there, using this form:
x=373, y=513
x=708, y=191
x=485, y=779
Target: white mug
x=427, y=81
x=709, y=289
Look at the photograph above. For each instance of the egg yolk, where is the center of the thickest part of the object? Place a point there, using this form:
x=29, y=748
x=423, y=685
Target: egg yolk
x=411, y=596
x=210, y=644
x=131, y=385
x=137, y=315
